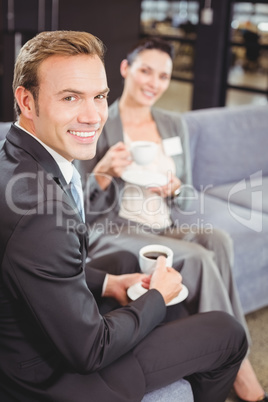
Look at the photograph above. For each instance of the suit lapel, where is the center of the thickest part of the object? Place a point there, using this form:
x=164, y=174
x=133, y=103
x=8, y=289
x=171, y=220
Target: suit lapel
x=21, y=139
x=164, y=124
x=114, y=125
x=32, y=147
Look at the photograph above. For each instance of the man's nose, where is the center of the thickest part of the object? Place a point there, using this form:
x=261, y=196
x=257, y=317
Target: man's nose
x=89, y=113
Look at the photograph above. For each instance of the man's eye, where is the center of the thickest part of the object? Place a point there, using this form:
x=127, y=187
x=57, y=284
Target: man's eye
x=102, y=96
x=69, y=98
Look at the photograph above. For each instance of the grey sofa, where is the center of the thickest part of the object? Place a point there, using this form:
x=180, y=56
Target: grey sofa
x=229, y=151
x=230, y=177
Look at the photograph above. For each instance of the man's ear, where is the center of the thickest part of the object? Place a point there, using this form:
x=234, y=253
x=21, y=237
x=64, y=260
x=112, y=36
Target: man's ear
x=25, y=101
x=123, y=68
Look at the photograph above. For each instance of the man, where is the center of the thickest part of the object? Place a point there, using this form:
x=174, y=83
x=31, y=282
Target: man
x=54, y=344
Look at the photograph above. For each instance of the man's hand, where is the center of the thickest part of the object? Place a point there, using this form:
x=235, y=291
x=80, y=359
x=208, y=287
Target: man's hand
x=117, y=286
x=166, y=280
x=114, y=162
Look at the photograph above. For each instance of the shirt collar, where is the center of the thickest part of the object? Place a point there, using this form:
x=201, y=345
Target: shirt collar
x=65, y=166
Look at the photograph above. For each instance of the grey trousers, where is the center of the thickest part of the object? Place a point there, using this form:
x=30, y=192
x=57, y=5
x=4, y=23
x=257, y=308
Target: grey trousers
x=204, y=259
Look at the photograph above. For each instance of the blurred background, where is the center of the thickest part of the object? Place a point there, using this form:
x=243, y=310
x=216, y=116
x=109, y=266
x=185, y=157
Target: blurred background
x=221, y=45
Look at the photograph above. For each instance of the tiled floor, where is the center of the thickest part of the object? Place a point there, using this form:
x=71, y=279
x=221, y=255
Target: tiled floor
x=258, y=327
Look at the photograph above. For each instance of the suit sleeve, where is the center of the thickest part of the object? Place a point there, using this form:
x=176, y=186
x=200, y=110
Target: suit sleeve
x=44, y=271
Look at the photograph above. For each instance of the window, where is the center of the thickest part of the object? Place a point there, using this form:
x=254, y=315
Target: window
x=248, y=66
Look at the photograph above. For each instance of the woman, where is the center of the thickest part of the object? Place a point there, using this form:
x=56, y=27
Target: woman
x=128, y=216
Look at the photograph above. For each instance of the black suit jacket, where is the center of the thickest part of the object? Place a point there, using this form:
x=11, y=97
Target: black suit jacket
x=54, y=344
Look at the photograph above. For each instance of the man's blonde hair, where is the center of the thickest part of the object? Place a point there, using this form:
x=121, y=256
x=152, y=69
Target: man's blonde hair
x=47, y=44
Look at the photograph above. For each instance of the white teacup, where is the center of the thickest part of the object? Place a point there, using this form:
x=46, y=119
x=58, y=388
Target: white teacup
x=149, y=254
x=143, y=152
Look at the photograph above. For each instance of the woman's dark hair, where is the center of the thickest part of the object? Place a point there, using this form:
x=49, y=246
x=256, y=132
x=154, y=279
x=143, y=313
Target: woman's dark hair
x=149, y=44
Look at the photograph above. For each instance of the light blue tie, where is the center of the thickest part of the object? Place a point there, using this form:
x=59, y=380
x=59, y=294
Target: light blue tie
x=77, y=192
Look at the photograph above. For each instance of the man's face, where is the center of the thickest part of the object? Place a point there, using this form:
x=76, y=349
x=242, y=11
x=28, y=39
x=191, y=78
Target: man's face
x=72, y=105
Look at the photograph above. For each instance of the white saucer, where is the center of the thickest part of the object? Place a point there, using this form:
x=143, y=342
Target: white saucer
x=138, y=290
x=144, y=178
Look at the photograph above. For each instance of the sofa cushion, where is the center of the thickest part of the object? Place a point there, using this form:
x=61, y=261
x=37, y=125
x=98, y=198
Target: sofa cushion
x=230, y=144
x=249, y=231
x=179, y=391
x=252, y=194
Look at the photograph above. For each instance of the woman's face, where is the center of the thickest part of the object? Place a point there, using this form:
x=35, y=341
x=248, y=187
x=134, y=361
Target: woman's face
x=148, y=77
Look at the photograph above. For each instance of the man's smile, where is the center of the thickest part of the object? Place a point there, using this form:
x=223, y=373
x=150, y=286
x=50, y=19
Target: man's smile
x=83, y=134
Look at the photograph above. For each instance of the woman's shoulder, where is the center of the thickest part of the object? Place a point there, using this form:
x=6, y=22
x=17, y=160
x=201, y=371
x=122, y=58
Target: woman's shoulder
x=170, y=122
x=170, y=118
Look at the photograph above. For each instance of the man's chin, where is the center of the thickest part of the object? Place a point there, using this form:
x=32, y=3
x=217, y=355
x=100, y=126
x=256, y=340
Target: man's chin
x=84, y=156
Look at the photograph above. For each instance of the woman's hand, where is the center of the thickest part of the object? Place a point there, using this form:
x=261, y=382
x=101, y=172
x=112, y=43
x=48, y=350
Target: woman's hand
x=168, y=190
x=116, y=159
